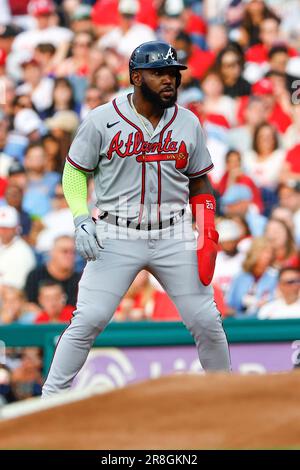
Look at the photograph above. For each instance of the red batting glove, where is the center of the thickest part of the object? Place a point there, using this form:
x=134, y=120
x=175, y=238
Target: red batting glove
x=203, y=209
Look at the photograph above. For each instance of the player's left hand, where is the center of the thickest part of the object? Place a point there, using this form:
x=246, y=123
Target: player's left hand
x=86, y=241
x=207, y=250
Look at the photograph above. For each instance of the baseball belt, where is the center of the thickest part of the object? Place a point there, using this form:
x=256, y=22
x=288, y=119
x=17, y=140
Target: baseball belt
x=121, y=222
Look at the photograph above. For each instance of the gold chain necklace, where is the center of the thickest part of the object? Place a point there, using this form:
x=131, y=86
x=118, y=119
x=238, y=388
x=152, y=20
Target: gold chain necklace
x=140, y=117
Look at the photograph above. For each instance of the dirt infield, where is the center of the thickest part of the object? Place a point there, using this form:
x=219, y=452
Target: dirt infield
x=216, y=411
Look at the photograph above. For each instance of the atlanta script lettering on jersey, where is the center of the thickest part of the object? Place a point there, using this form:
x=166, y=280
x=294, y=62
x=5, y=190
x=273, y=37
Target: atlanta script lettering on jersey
x=156, y=151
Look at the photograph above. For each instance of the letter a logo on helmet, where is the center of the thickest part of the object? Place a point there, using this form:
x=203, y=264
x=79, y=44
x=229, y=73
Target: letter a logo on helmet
x=169, y=54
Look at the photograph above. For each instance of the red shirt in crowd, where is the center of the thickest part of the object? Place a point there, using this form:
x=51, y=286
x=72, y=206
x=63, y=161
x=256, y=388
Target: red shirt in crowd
x=242, y=179
x=106, y=13
x=259, y=53
x=293, y=159
x=195, y=24
x=64, y=316
x=3, y=186
x=277, y=117
x=164, y=309
x=200, y=61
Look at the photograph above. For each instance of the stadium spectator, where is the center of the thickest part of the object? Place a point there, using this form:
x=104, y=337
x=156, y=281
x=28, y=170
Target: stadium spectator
x=255, y=12
x=14, y=198
x=264, y=162
x=40, y=184
x=52, y=299
x=289, y=198
x=5, y=159
x=38, y=87
x=80, y=19
x=105, y=16
x=246, y=237
x=46, y=30
x=106, y=82
x=281, y=240
x=235, y=175
x=241, y=137
x=169, y=27
x=197, y=60
x=216, y=38
x=125, y=37
x=27, y=377
x=275, y=113
x=78, y=63
x=215, y=127
x=44, y=55
x=290, y=171
x=13, y=307
x=8, y=32
x=63, y=98
x=93, y=98
x=6, y=391
x=215, y=101
x=22, y=101
x=16, y=257
x=291, y=137
x=281, y=94
x=52, y=150
x=285, y=215
x=287, y=305
x=63, y=126
x=143, y=302
x=56, y=223
x=230, y=259
x=230, y=62
x=17, y=175
x=269, y=35
x=191, y=97
x=8, y=90
x=278, y=61
x=28, y=128
x=2, y=62
x=59, y=268
x=257, y=283
x=237, y=201
x=98, y=57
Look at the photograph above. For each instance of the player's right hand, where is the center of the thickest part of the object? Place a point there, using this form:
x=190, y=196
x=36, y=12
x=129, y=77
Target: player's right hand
x=86, y=241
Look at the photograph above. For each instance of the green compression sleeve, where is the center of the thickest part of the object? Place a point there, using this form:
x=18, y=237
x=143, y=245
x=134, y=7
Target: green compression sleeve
x=75, y=190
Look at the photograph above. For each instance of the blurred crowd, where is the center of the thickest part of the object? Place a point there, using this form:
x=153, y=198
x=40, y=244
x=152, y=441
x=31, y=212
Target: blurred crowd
x=60, y=59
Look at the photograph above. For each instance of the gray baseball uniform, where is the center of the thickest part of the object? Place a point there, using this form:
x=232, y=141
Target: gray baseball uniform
x=141, y=174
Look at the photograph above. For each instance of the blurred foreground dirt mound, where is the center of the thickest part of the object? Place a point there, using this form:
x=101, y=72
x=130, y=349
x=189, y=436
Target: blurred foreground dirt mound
x=215, y=411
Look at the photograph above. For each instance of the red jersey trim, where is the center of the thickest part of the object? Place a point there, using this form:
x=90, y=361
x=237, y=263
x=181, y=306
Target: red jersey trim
x=158, y=190
x=158, y=163
x=202, y=172
x=143, y=192
x=125, y=118
x=69, y=159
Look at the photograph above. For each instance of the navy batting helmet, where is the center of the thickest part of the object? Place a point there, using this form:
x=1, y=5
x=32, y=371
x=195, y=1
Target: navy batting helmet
x=154, y=55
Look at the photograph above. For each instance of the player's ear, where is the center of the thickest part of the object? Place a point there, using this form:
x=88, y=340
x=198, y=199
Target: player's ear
x=136, y=77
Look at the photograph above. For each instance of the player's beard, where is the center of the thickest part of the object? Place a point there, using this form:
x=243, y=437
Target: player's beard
x=155, y=98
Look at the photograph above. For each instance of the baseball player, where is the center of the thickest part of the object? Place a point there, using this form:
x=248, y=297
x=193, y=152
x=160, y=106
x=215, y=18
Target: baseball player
x=148, y=158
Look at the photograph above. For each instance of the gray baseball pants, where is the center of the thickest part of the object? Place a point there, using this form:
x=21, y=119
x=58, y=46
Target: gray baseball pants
x=170, y=255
